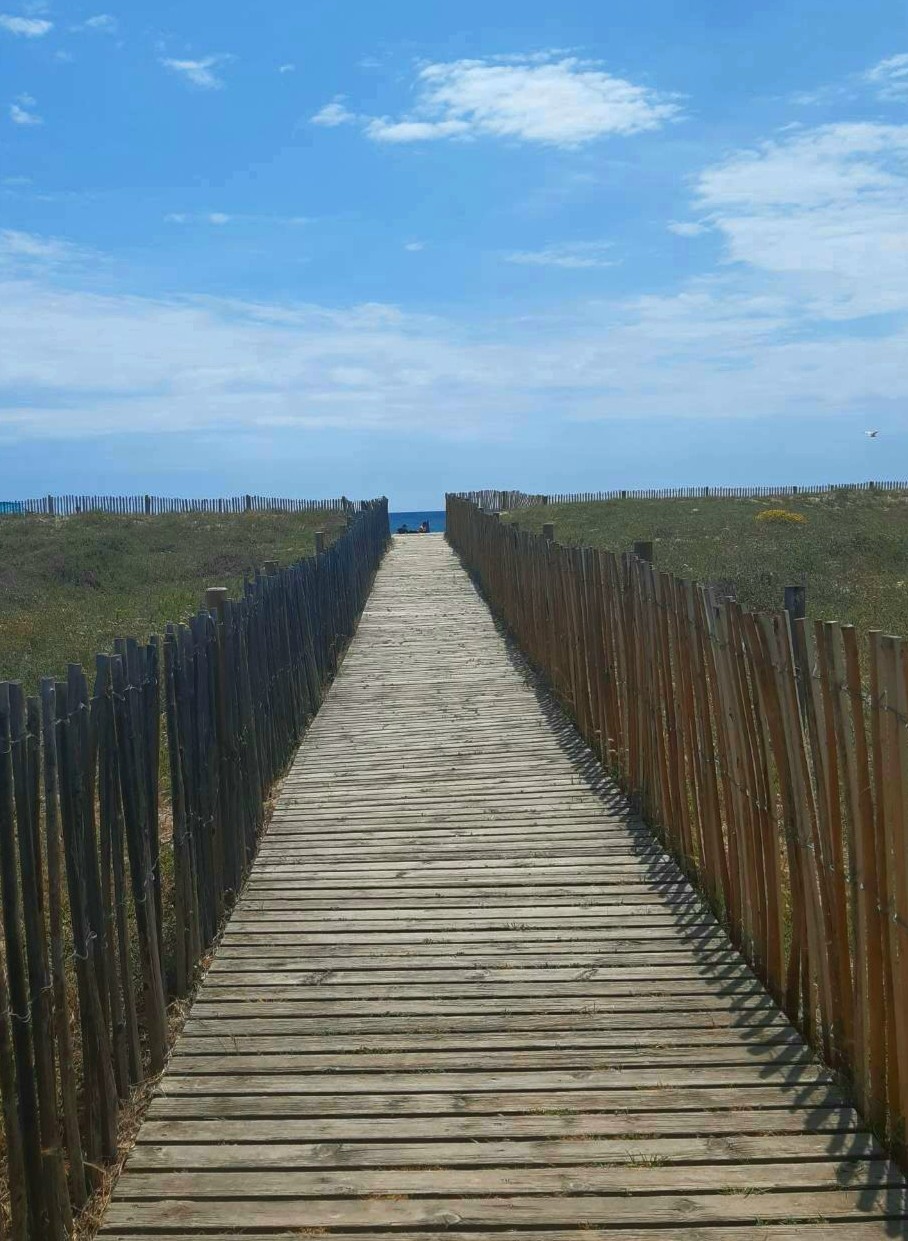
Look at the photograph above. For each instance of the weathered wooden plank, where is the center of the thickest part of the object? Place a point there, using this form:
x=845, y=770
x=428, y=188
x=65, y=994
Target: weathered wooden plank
x=493, y=1102
x=847, y=1230
x=532, y=1211
x=347, y=1081
x=623, y=1126
x=184, y=1154
x=573, y=1179
x=232, y=1061
x=637, y=1045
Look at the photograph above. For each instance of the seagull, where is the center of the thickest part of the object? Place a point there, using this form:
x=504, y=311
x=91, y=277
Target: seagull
x=871, y=435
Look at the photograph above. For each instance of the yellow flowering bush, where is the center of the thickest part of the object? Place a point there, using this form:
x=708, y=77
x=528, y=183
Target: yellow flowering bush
x=781, y=515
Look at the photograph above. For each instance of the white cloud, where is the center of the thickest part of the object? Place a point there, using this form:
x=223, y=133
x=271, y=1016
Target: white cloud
x=687, y=228
x=288, y=68
x=890, y=78
x=77, y=361
x=415, y=131
x=219, y=218
x=334, y=113
x=814, y=225
x=414, y=246
x=559, y=101
x=20, y=112
x=21, y=247
x=572, y=255
x=199, y=72
x=28, y=27
x=824, y=208
x=106, y=23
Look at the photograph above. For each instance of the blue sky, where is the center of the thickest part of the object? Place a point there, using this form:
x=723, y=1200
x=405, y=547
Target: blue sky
x=402, y=247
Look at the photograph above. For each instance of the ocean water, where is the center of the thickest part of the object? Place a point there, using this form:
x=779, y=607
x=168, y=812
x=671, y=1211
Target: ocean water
x=435, y=518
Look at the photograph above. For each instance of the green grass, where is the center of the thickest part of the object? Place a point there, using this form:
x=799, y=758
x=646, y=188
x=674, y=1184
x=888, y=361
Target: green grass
x=69, y=587
x=851, y=552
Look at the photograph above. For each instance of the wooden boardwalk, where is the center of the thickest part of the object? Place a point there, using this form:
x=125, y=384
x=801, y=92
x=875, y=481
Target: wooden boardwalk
x=464, y=995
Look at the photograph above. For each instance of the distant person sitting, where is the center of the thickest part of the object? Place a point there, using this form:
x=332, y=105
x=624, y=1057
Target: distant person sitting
x=424, y=528
x=404, y=529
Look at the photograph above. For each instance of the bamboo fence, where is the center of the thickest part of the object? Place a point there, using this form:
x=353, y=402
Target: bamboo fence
x=774, y=773
x=86, y=969
x=150, y=506
x=496, y=501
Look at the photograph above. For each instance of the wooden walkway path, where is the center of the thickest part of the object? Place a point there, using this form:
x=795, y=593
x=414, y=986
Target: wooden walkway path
x=464, y=995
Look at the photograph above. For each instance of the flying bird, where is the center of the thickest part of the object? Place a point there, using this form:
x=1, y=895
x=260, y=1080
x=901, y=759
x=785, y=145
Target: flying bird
x=871, y=434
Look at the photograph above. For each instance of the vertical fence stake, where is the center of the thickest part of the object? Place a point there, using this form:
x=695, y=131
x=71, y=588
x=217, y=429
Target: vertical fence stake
x=795, y=602
x=548, y=532
x=319, y=542
x=643, y=550
x=215, y=599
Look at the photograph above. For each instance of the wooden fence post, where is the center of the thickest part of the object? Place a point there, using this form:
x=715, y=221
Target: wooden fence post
x=795, y=602
x=319, y=542
x=215, y=598
x=643, y=550
x=548, y=532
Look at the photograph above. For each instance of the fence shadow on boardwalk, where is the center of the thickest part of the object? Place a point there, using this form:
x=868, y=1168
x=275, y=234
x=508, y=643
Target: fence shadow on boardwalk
x=766, y=731
x=105, y=917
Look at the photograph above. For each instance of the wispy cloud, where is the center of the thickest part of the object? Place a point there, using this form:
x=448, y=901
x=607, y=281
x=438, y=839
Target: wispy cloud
x=823, y=207
x=27, y=27
x=575, y=255
x=79, y=362
x=21, y=111
x=687, y=228
x=806, y=311
x=887, y=80
x=220, y=218
x=547, y=98
x=288, y=68
x=200, y=72
x=104, y=23
x=29, y=248
x=414, y=246
x=334, y=113
x=890, y=78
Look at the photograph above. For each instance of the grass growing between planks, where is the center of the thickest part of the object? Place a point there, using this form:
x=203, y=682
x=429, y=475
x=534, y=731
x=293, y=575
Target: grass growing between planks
x=69, y=586
x=850, y=549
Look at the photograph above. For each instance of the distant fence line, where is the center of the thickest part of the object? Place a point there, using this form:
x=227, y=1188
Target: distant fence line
x=70, y=506
x=503, y=501
x=770, y=767
x=83, y=860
